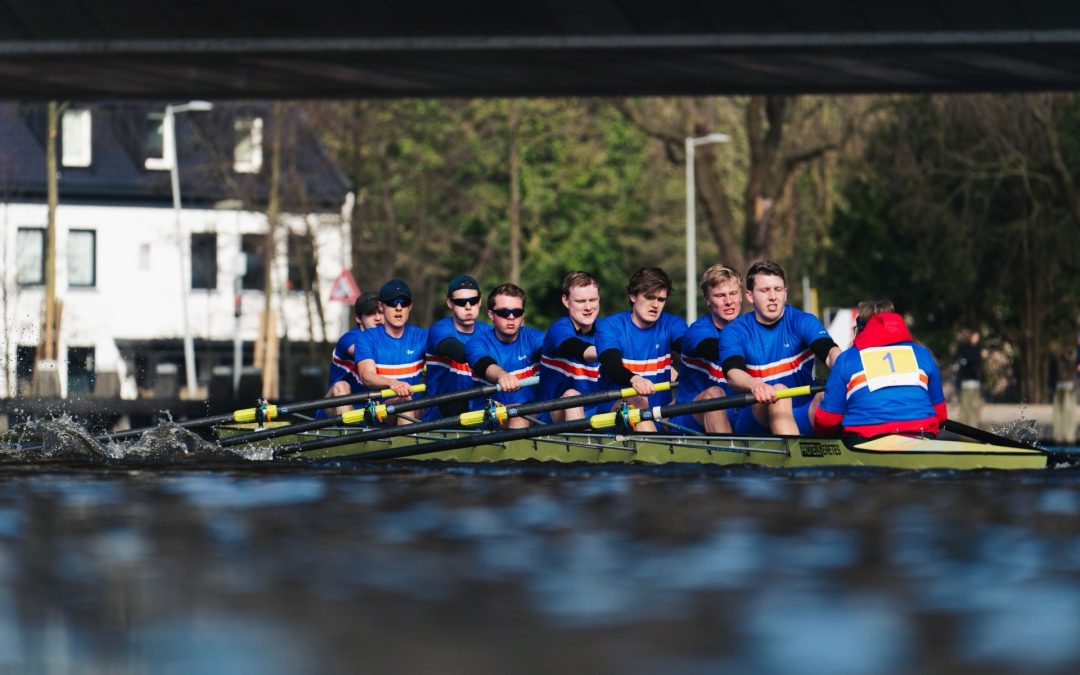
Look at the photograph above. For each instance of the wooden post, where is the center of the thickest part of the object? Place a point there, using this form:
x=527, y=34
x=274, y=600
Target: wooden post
x=1064, y=414
x=970, y=403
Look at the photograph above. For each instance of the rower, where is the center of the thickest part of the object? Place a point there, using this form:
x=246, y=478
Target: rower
x=701, y=376
x=391, y=356
x=773, y=348
x=636, y=346
x=510, y=352
x=568, y=363
x=886, y=383
x=343, y=379
x=447, y=367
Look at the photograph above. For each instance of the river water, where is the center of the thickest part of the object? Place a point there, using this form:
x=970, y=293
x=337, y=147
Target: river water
x=236, y=566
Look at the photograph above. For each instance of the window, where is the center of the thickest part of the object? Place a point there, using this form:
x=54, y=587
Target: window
x=252, y=247
x=204, y=260
x=248, y=155
x=25, y=357
x=301, y=262
x=81, y=371
x=154, y=135
x=75, y=137
x=82, y=258
x=30, y=256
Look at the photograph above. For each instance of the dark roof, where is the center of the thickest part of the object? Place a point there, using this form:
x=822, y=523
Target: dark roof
x=357, y=48
x=311, y=182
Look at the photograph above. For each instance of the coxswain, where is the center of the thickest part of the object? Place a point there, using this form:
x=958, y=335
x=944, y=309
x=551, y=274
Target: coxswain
x=885, y=383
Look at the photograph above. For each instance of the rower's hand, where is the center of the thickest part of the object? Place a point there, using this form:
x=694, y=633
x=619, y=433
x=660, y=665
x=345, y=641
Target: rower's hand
x=642, y=386
x=402, y=389
x=508, y=382
x=763, y=392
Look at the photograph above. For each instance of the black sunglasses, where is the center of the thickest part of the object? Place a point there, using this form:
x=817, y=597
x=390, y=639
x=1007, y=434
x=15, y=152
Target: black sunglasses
x=399, y=301
x=466, y=302
x=509, y=313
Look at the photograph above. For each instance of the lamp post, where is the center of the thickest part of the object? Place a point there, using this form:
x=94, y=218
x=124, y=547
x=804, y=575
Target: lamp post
x=169, y=124
x=691, y=220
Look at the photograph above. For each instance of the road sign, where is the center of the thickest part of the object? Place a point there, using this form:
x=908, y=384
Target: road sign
x=344, y=288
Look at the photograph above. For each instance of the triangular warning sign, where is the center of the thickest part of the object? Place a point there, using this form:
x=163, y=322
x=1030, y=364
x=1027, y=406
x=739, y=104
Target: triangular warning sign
x=344, y=288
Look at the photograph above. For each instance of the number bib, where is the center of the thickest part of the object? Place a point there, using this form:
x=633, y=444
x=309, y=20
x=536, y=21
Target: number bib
x=890, y=367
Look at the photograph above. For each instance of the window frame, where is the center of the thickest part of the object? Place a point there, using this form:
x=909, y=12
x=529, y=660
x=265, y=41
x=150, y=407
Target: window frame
x=42, y=252
x=93, y=257
x=77, y=121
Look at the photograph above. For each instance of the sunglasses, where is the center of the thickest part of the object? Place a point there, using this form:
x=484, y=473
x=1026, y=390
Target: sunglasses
x=505, y=313
x=466, y=302
x=400, y=301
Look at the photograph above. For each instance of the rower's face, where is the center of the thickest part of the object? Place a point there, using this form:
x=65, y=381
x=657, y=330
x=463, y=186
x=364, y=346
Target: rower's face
x=724, y=301
x=507, y=326
x=768, y=297
x=371, y=320
x=583, y=305
x=464, y=304
x=396, y=312
x=646, y=307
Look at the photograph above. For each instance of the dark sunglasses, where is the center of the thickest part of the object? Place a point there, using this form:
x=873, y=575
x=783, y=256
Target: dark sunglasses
x=509, y=313
x=466, y=302
x=400, y=301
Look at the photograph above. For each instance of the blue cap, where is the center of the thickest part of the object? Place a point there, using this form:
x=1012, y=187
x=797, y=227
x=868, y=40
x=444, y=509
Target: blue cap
x=395, y=288
x=462, y=282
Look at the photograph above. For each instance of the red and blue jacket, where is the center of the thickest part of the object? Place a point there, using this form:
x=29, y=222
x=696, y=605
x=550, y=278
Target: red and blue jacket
x=884, y=383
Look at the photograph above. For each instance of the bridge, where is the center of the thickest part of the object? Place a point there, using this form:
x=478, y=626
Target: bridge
x=433, y=48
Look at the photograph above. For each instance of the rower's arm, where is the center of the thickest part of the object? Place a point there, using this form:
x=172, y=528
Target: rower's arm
x=493, y=372
x=826, y=351
x=576, y=349
x=451, y=348
x=373, y=380
x=611, y=364
x=736, y=375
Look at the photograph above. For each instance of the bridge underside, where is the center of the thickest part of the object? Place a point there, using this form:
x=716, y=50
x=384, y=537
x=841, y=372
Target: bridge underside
x=376, y=48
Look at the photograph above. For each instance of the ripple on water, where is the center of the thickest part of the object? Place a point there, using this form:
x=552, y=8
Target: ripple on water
x=1030, y=626
x=217, y=491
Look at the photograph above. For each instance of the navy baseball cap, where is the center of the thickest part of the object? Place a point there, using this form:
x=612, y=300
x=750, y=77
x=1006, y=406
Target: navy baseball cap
x=462, y=282
x=395, y=288
x=367, y=303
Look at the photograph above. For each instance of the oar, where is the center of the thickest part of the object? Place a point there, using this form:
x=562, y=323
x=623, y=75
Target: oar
x=381, y=411
x=472, y=418
x=249, y=414
x=598, y=421
x=977, y=434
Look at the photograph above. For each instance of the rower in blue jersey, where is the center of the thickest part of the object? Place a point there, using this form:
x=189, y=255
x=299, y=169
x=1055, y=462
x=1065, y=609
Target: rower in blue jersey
x=636, y=347
x=392, y=356
x=343, y=378
x=701, y=376
x=568, y=360
x=773, y=348
x=886, y=383
x=447, y=366
x=510, y=352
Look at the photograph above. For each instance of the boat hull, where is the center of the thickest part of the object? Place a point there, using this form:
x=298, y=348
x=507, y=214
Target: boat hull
x=891, y=452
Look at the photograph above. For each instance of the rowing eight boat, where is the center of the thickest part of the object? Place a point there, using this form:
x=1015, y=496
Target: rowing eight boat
x=892, y=452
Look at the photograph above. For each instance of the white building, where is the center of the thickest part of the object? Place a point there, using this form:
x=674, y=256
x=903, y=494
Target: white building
x=122, y=251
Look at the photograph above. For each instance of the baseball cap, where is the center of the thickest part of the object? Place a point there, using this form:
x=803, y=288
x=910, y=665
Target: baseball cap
x=367, y=303
x=395, y=288
x=462, y=282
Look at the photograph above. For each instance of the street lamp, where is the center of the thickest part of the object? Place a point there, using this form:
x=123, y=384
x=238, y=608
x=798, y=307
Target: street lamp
x=169, y=124
x=691, y=221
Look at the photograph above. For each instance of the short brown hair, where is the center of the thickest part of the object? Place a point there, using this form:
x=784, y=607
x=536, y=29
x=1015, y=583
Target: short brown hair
x=718, y=274
x=868, y=308
x=766, y=267
x=510, y=290
x=576, y=280
x=649, y=280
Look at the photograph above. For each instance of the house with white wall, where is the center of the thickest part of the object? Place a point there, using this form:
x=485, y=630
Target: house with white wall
x=128, y=262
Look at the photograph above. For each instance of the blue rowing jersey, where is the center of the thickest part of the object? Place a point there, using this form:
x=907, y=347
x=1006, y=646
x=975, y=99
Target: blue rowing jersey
x=520, y=358
x=645, y=351
x=698, y=372
x=560, y=373
x=444, y=374
x=779, y=353
x=343, y=364
x=398, y=358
